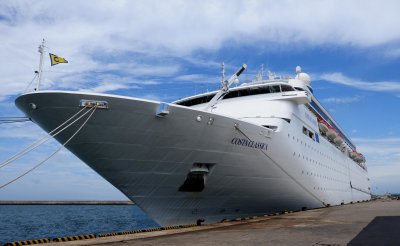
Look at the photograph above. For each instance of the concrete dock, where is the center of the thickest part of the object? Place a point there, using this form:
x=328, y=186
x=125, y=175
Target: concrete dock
x=368, y=223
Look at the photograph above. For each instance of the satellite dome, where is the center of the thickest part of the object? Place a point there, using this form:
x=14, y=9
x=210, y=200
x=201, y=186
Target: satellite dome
x=304, y=77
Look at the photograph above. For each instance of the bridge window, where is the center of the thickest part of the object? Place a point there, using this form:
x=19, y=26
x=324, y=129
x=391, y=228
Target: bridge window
x=248, y=91
x=286, y=88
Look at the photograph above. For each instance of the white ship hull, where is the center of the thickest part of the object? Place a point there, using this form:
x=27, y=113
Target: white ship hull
x=251, y=170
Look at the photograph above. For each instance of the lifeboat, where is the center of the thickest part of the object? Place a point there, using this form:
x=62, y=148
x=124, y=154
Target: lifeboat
x=352, y=154
x=338, y=140
x=358, y=158
x=331, y=134
x=322, y=126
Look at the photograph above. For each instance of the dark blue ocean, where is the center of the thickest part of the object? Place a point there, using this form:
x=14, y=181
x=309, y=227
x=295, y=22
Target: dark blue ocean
x=26, y=222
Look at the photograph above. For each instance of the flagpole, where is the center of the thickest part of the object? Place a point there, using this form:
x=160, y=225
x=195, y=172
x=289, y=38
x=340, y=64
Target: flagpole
x=39, y=79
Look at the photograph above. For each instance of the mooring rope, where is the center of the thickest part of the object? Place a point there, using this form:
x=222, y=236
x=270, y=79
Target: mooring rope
x=55, y=152
x=45, y=139
x=30, y=83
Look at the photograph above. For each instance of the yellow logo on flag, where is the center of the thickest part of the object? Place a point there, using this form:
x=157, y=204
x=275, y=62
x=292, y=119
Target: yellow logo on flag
x=56, y=59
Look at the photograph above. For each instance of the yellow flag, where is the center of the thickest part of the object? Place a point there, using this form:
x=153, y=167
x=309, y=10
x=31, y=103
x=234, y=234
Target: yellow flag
x=56, y=59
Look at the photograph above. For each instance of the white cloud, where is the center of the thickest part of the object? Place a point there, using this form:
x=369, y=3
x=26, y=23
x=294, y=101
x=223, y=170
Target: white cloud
x=106, y=87
x=153, y=97
x=135, y=69
x=25, y=130
x=180, y=25
x=198, y=78
x=63, y=176
x=342, y=100
x=339, y=78
x=383, y=160
x=106, y=36
x=392, y=53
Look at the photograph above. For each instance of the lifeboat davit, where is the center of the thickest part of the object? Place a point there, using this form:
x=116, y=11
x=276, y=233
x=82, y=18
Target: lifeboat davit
x=331, y=134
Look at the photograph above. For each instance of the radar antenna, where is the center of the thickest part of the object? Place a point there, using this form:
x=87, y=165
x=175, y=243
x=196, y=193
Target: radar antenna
x=260, y=74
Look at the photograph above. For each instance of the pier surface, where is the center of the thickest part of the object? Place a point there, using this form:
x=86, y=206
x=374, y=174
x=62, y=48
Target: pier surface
x=368, y=223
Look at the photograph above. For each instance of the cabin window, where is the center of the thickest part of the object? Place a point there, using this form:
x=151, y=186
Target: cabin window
x=308, y=133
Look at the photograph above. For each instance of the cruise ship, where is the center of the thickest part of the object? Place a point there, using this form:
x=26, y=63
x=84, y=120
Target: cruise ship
x=260, y=147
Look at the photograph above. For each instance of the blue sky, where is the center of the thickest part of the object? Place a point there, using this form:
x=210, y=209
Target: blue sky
x=166, y=50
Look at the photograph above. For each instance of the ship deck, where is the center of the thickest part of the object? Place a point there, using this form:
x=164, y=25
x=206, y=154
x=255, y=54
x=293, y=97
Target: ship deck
x=368, y=223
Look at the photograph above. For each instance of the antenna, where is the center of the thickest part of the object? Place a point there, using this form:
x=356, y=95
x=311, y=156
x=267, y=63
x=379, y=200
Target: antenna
x=260, y=74
x=271, y=75
x=298, y=69
x=262, y=71
x=39, y=79
x=222, y=74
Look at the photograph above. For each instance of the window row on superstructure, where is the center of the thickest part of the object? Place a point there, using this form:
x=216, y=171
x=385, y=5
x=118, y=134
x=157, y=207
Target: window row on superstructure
x=318, y=150
x=335, y=177
x=343, y=170
x=331, y=167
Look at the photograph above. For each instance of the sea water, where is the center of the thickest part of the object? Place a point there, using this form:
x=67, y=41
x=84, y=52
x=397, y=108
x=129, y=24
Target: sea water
x=26, y=222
